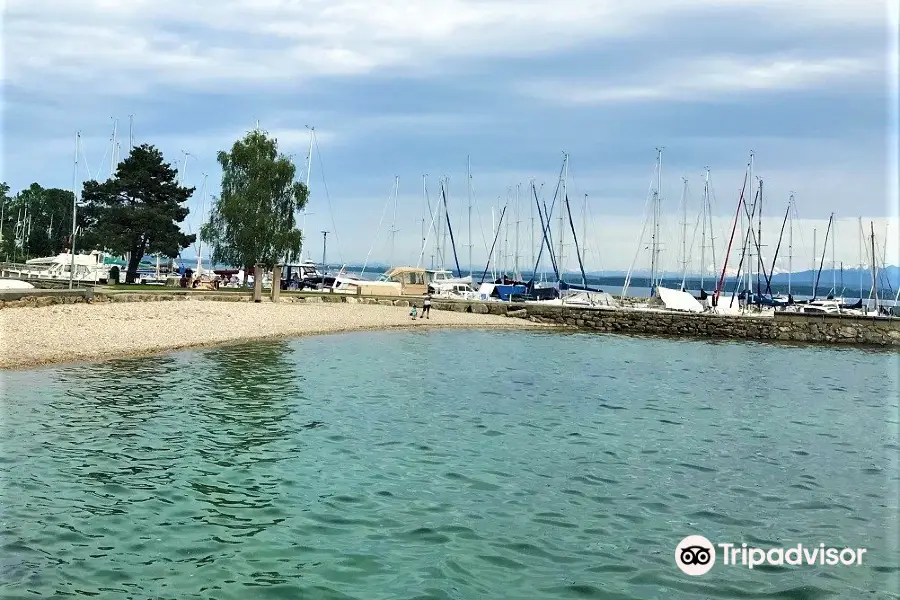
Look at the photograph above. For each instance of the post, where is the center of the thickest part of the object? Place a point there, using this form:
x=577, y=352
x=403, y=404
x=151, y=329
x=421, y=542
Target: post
x=276, y=282
x=257, y=283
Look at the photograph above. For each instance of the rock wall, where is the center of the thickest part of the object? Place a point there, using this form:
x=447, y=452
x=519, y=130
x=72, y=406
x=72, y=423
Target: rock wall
x=39, y=298
x=791, y=327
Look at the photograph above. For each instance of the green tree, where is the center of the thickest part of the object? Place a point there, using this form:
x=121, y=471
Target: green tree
x=49, y=224
x=7, y=223
x=138, y=210
x=253, y=221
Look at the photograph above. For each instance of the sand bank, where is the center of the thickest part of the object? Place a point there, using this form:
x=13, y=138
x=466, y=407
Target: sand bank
x=84, y=332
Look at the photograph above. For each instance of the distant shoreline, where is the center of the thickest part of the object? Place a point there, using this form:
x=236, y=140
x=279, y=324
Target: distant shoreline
x=73, y=333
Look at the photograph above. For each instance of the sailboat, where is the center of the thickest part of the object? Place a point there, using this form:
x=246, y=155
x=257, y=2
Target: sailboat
x=651, y=218
x=563, y=292
x=417, y=280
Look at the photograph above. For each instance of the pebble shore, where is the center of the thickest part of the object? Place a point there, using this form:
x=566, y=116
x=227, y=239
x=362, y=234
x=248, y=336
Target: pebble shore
x=88, y=332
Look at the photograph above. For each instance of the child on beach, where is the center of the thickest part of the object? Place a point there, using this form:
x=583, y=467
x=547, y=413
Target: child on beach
x=412, y=312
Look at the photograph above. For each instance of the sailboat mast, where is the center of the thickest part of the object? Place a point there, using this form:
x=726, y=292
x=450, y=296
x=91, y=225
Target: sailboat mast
x=584, y=231
x=308, y=172
x=684, y=259
x=814, y=250
x=833, y=263
x=184, y=167
x=703, y=217
x=202, y=210
x=439, y=261
x=861, y=236
x=424, y=209
x=506, y=258
x=703, y=234
x=750, y=229
x=874, y=267
x=396, y=192
x=497, y=230
x=516, y=274
x=130, y=132
x=712, y=233
x=822, y=261
x=444, y=216
x=760, y=269
x=74, y=209
x=559, y=260
x=654, y=245
x=790, y=241
x=469, y=194
x=532, y=235
x=112, y=151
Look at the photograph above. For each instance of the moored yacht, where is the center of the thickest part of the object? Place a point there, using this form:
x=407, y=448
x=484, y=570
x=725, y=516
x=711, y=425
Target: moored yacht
x=89, y=268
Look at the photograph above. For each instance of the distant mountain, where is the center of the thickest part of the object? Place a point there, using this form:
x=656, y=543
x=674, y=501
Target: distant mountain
x=887, y=276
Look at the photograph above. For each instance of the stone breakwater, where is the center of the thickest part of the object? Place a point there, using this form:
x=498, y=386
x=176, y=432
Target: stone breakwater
x=788, y=327
x=782, y=326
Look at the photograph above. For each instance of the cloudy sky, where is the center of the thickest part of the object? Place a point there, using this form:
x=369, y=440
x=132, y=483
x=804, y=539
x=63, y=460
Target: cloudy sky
x=403, y=89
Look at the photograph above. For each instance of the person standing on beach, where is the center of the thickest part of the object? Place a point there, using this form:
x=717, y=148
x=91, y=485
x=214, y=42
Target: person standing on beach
x=426, y=306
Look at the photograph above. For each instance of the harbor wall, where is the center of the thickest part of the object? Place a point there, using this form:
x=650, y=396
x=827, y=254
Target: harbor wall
x=783, y=326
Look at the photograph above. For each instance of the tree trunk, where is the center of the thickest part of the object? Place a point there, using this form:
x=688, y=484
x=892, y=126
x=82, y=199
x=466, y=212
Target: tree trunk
x=134, y=260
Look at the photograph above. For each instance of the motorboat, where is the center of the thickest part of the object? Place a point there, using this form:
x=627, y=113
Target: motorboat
x=457, y=291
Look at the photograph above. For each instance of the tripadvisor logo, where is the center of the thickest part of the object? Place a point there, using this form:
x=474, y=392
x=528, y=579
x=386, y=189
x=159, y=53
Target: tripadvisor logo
x=695, y=555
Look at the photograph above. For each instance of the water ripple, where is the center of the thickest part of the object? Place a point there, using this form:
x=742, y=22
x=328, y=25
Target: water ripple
x=447, y=465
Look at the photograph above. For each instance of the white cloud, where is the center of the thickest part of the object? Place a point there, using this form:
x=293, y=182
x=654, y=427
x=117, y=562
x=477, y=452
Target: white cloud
x=70, y=60
x=128, y=47
x=698, y=79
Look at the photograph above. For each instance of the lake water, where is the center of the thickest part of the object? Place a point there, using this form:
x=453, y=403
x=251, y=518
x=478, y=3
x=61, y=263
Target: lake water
x=449, y=464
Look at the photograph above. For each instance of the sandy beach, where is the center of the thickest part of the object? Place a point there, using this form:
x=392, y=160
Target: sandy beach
x=87, y=332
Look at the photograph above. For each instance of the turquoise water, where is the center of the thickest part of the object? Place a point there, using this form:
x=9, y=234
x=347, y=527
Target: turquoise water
x=448, y=464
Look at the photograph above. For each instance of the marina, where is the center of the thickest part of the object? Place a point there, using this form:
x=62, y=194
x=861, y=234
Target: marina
x=462, y=300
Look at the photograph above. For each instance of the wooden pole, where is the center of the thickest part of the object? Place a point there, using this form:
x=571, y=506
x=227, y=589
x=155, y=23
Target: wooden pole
x=276, y=282
x=257, y=283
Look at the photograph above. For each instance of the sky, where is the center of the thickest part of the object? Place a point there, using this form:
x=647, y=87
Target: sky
x=406, y=90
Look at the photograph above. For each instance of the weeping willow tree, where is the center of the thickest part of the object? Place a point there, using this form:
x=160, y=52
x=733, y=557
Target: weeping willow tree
x=253, y=220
